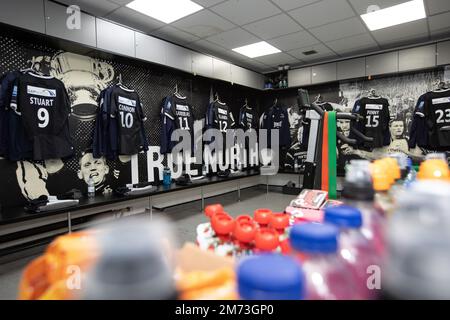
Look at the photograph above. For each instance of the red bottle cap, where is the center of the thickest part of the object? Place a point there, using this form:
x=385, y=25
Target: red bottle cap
x=279, y=221
x=222, y=223
x=266, y=239
x=262, y=216
x=245, y=230
x=212, y=209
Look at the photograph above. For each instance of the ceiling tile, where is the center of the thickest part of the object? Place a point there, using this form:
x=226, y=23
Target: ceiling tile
x=205, y=46
x=173, y=34
x=361, y=6
x=245, y=11
x=411, y=30
x=437, y=6
x=208, y=3
x=339, y=30
x=134, y=19
x=440, y=24
x=322, y=53
x=440, y=21
x=292, y=4
x=203, y=24
x=273, y=27
x=98, y=8
x=234, y=38
x=276, y=59
x=353, y=44
x=322, y=12
x=293, y=41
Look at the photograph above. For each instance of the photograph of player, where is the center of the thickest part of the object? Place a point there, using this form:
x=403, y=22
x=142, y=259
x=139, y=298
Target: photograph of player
x=97, y=169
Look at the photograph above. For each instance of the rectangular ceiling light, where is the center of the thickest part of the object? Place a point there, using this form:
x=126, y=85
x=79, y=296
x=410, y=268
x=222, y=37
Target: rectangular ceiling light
x=258, y=49
x=165, y=10
x=395, y=15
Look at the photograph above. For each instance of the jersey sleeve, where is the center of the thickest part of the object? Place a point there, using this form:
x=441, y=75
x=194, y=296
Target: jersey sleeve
x=210, y=116
x=418, y=133
x=387, y=119
x=168, y=108
x=113, y=108
x=232, y=122
x=140, y=110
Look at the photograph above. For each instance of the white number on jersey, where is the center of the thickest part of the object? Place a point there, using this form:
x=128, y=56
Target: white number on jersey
x=443, y=116
x=44, y=117
x=223, y=126
x=126, y=119
x=373, y=121
x=184, y=123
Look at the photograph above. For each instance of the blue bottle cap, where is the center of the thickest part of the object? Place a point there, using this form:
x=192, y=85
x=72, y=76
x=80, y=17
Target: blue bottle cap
x=270, y=277
x=344, y=216
x=314, y=238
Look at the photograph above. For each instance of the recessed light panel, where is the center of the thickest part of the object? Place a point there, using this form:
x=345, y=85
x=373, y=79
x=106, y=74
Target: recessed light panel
x=395, y=15
x=258, y=49
x=165, y=10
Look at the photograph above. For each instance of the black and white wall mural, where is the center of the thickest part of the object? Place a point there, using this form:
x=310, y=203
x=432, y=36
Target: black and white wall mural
x=84, y=78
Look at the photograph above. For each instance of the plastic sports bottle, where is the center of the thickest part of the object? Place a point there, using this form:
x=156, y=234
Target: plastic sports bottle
x=327, y=275
x=418, y=261
x=382, y=182
x=358, y=192
x=270, y=277
x=91, y=188
x=354, y=248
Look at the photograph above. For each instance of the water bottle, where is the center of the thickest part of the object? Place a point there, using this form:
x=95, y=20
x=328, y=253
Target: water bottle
x=167, y=177
x=418, y=261
x=354, y=248
x=134, y=262
x=270, y=277
x=327, y=275
x=91, y=188
x=358, y=191
x=411, y=176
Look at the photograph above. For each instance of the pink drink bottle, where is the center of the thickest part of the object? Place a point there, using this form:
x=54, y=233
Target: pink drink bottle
x=358, y=253
x=358, y=192
x=327, y=275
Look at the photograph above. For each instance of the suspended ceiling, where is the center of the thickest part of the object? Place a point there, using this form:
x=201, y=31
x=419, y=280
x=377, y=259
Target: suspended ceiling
x=332, y=28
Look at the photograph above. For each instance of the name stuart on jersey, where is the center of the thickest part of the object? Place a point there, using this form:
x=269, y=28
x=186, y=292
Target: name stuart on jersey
x=41, y=102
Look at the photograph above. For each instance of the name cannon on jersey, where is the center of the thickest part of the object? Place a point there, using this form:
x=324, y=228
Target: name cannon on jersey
x=127, y=105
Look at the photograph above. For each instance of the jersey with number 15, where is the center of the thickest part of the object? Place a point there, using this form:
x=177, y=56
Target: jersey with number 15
x=375, y=123
x=43, y=104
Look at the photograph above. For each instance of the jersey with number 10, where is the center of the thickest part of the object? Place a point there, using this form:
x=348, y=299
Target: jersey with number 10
x=127, y=109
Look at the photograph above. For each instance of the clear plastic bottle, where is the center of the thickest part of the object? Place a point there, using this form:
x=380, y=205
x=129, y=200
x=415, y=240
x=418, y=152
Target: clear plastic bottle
x=411, y=175
x=358, y=192
x=327, y=275
x=91, y=188
x=354, y=248
x=270, y=277
x=418, y=260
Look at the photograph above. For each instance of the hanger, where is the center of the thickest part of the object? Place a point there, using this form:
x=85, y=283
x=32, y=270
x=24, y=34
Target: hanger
x=246, y=104
x=217, y=98
x=177, y=94
x=32, y=68
x=120, y=83
x=319, y=99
